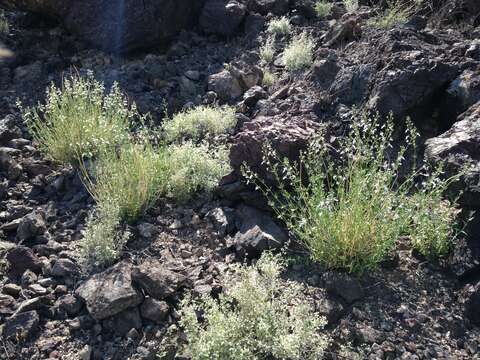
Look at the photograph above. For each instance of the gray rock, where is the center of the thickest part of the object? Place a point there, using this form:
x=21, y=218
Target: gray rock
x=223, y=219
x=458, y=148
x=21, y=326
x=65, y=267
x=156, y=280
x=22, y=258
x=147, y=230
x=30, y=226
x=257, y=232
x=253, y=95
x=329, y=308
x=69, y=304
x=225, y=85
x=123, y=322
x=344, y=286
x=222, y=17
x=154, y=310
x=110, y=292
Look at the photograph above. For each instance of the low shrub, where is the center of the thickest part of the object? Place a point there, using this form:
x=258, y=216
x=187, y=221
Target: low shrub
x=131, y=178
x=298, y=55
x=103, y=239
x=323, y=8
x=195, y=168
x=351, y=5
x=267, y=50
x=269, y=78
x=359, y=200
x=260, y=316
x=4, y=27
x=280, y=26
x=396, y=13
x=199, y=122
x=79, y=119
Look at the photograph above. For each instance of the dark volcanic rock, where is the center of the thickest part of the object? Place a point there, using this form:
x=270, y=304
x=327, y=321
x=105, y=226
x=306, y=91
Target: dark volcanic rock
x=22, y=258
x=123, y=322
x=118, y=25
x=344, y=286
x=156, y=280
x=30, y=226
x=277, y=7
x=287, y=136
x=21, y=326
x=460, y=147
x=258, y=232
x=472, y=306
x=222, y=17
x=109, y=292
x=154, y=310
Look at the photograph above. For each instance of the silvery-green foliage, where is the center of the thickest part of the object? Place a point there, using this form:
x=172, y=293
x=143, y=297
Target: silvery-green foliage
x=200, y=122
x=260, y=316
x=195, y=168
x=323, y=8
x=349, y=205
x=103, y=239
x=79, y=119
x=267, y=50
x=279, y=26
x=298, y=55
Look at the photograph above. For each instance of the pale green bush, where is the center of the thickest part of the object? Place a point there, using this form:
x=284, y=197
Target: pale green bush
x=353, y=209
x=4, y=27
x=79, y=119
x=260, y=316
x=267, y=50
x=323, y=8
x=131, y=178
x=298, y=55
x=396, y=13
x=269, y=78
x=195, y=168
x=280, y=26
x=200, y=122
x=103, y=239
x=350, y=5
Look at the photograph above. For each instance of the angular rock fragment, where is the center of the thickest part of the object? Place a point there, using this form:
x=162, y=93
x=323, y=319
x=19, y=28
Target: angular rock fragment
x=110, y=292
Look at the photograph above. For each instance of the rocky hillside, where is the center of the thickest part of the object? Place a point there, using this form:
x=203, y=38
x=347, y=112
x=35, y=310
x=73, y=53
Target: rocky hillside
x=283, y=72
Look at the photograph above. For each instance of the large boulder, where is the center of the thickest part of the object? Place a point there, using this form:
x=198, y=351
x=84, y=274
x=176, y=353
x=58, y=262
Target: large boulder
x=459, y=148
x=110, y=292
x=287, y=136
x=117, y=25
x=221, y=17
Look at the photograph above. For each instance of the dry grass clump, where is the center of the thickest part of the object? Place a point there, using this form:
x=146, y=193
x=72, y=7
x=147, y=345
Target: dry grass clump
x=4, y=26
x=260, y=316
x=298, y=55
x=280, y=26
x=358, y=202
x=267, y=50
x=199, y=122
x=323, y=8
x=78, y=120
x=397, y=12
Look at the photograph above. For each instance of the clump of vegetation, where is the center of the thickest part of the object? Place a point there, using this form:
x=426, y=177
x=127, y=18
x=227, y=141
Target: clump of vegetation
x=350, y=5
x=280, y=26
x=396, y=13
x=260, y=316
x=79, y=119
x=199, y=122
x=298, y=55
x=269, y=78
x=4, y=27
x=359, y=201
x=103, y=239
x=195, y=168
x=131, y=178
x=323, y=8
x=267, y=50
